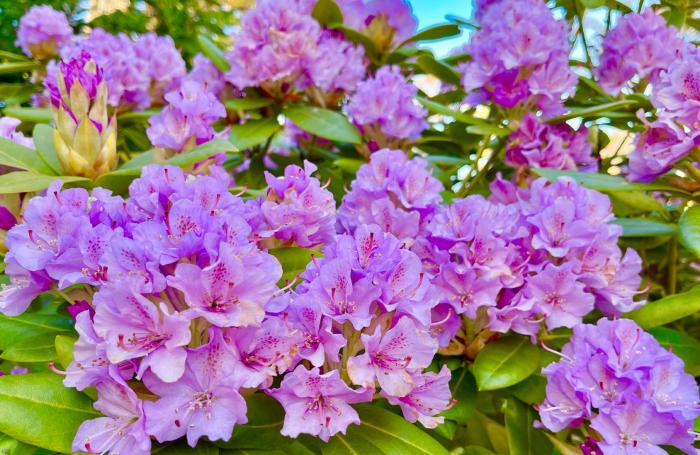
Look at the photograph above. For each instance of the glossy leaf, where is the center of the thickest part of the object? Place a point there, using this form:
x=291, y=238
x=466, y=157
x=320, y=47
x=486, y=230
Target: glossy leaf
x=323, y=123
x=200, y=152
x=438, y=69
x=31, y=324
x=361, y=39
x=523, y=438
x=27, y=182
x=667, y=309
x=215, y=54
x=434, y=33
x=463, y=387
x=505, y=362
x=382, y=432
x=18, y=67
x=689, y=229
x=640, y=227
x=181, y=448
x=64, y=349
x=29, y=114
x=327, y=12
x=684, y=346
x=293, y=260
x=604, y=182
x=253, y=132
x=18, y=156
x=37, y=348
x=43, y=141
x=246, y=104
x=265, y=418
x=37, y=409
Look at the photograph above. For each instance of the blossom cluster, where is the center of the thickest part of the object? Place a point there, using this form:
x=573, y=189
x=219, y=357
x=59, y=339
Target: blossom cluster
x=519, y=57
x=388, y=23
x=43, y=31
x=635, y=394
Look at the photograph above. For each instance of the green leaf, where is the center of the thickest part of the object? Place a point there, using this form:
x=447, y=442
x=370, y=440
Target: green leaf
x=18, y=67
x=668, y=309
x=265, y=418
x=37, y=409
x=349, y=165
x=382, y=432
x=30, y=324
x=200, y=152
x=640, y=227
x=29, y=114
x=140, y=160
x=27, y=182
x=487, y=130
x=531, y=390
x=212, y=51
x=295, y=448
x=441, y=109
x=438, y=69
x=293, y=260
x=433, y=33
x=15, y=155
x=64, y=349
x=562, y=447
x=604, y=182
x=523, y=438
x=327, y=13
x=38, y=348
x=247, y=104
x=11, y=446
x=505, y=362
x=476, y=450
x=137, y=115
x=361, y=39
x=43, y=141
x=323, y=122
x=639, y=201
x=253, y=132
x=599, y=110
x=182, y=448
x=463, y=387
x=684, y=346
x=689, y=229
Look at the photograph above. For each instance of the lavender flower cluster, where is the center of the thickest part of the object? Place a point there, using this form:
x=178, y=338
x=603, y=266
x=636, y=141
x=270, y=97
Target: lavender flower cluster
x=635, y=394
x=43, y=31
x=519, y=57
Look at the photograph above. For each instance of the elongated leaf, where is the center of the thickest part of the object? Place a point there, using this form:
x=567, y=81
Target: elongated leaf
x=265, y=418
x=603, y=182
x=638, y=201
x=253, y=132
x=295, y=448
x=486, y=130
x=669, y=309
x=29, y=114
x=382, y=432
x=64, y=349
x=595, y=111
x=15, y=155
x=523, y=438
x=327, y=12
x=31, y=324
x=18, y=67
x=361, y=39
x=323, y=122
x=505, y=362
x=689, y=226
x=433, y=33
x=438, y=69
x=684, y=346
x=11, y=446
x=27, y=182
x=38, y=348
x=640, y=227
x=246, y=104
x=531, y=390
x=38, y=410
x=182, y=448
x=139, y=161
x=463, y=387
x=212, y=51
x=137, y=115
x=43, y=142
x=201, y=152
x=441, y=109
x=293, y=260
x=349, y=165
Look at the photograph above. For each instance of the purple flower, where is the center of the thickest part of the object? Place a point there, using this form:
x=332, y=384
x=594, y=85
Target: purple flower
x=225, y=293
x=318, y=341
x=387, y=22
x=123, y=428
x=205, y=401
x=640, y=45
x=337, y=64
x=205, y=72
x=677, y=94
x=43, y=31
x=536, y=144
x=390, y=357
x=429, y=396
x=8, y=130
x=165, y=64
x=519, y=56
x=24, y=286
x=384, y=108
x=318, y=404
x=634, y=393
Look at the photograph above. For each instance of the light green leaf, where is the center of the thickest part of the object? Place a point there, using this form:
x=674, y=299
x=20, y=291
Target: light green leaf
x=293, y=260
x=18, y=67
x=638, y=201
x=29, y=114
x=212, y=51
x=253, y=132
x=37, y=409
x=523, y=438
x=531, y=390
x=382, y=432
x=247, y=104
x=31, y=324
x=64, y=349
x=137, y=115
x=323, y=122
x=441, y=109
x=38, y=348
x=595, y=111
x=438, y=69
x=433, y=33
x=349, y=165
x=640, y=227
x=201, y=152
x=684, y=346
x=668, y=309
x=604, y=182
x=11, y=446
x=43, y=142
x=327, y=13
x=15, y=155
x=27, y=182
x=139, y=161
x=689, y=229
x=505, y=362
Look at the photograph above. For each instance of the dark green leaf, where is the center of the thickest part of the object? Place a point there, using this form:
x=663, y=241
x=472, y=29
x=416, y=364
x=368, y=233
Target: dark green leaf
x=27, y=182
x=327, y=12
x=253, y=132
x=603, y=182
x=361, y=39
x=689, y=229
x=438, y=69
x=523, y=438
x=18, y=67
x=640, y=227
x=433, y=33
x=293, y=260
x=30, y=324
x=38, y=410
x=247, y=104
x=265, y=418
x=38, y=348
x=684, y=346
x=382, y=432
x=463, y=387
x=15, y=155
x=323, y=123
x=181, y=448
x=295, y=448
x=476, y=450
x=43, y=141
x=668, y=309
x=212, y=51
x=29, y=114
x=531, y=390
x=505, y=362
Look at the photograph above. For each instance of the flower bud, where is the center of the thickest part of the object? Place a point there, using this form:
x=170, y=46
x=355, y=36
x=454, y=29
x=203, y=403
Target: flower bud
x=85, y=136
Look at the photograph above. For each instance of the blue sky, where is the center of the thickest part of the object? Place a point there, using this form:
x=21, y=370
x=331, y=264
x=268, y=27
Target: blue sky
x=431, y=12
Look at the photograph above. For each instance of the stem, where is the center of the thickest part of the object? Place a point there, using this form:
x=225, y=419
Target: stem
x=581, y=30
x=640, y=6
x=672, y=266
